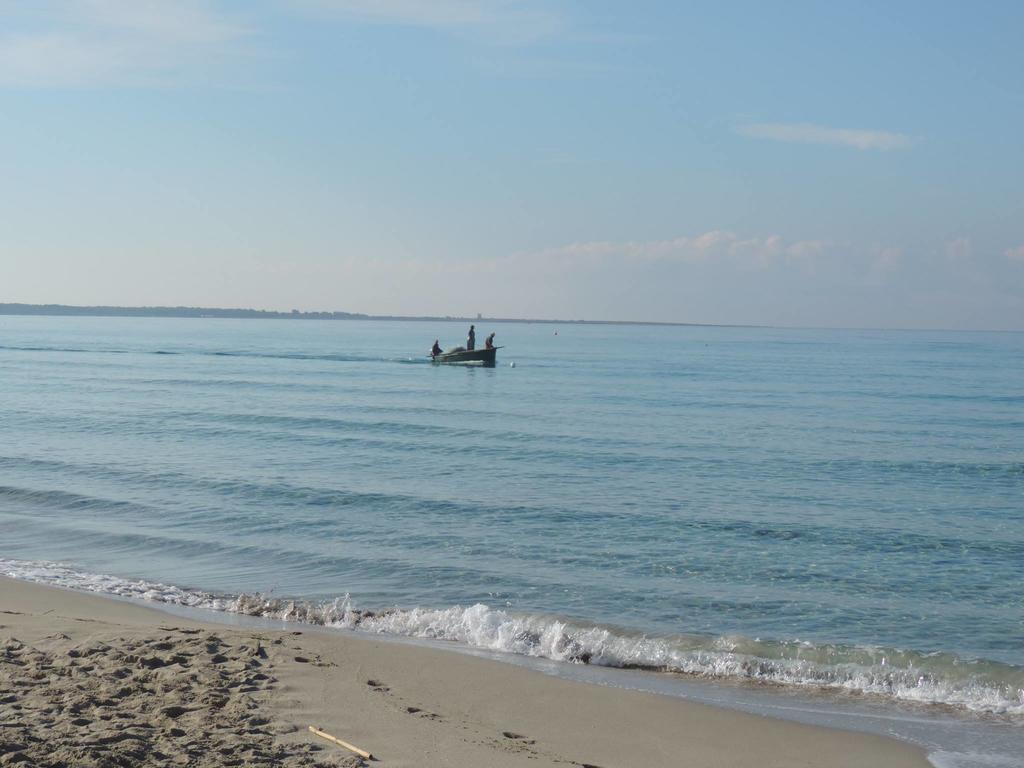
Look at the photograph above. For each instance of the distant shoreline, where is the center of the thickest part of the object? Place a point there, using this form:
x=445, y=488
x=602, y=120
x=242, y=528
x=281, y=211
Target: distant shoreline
x=67, y=310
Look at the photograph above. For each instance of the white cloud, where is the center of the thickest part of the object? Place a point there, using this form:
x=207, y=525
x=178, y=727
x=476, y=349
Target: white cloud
x=603, y=259
x=507, y=21
x=807, y=133
x=75, y=43
x=437, y=13
x=713, y=247
x=1015, y=254
x=713, y=276
x=56, y=59
x=178, y=21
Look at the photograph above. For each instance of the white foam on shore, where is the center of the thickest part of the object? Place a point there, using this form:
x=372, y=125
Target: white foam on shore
x=943, y=679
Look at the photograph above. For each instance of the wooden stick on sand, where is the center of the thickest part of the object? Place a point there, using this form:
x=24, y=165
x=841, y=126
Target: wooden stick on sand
x=345, y=744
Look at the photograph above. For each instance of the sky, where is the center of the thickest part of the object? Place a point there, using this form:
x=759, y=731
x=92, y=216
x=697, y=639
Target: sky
x=799, y=163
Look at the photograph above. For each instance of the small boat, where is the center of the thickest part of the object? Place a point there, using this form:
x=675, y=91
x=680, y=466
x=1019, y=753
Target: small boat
x=462, y=356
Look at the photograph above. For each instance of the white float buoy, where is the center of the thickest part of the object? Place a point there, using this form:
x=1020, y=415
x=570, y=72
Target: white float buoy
x=512, y=364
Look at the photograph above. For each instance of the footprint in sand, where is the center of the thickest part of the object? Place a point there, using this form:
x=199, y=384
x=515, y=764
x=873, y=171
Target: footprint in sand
x=517, y=737
x=424, y=715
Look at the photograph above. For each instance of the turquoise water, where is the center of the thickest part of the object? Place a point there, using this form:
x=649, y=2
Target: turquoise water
x=818, y=508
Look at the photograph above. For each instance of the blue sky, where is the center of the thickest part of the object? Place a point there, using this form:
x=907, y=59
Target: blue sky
x=794, y=163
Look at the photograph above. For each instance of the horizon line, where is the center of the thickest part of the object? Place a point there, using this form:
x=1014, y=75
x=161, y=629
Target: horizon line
x=25, y=309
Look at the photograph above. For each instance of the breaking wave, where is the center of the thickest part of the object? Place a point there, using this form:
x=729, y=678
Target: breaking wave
x=975, y=685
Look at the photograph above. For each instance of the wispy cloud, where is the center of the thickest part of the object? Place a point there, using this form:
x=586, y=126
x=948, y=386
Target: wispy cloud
x=714, y=245
x=181, y=21
x=1015, y=254
x=437, y=13
x=56, y=59
x=79, y=43
x=715, y=249
x=505, y=21
x=713, y=276
x=807, y=133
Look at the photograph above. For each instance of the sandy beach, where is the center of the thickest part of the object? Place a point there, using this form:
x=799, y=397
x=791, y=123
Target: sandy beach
x=91, y=681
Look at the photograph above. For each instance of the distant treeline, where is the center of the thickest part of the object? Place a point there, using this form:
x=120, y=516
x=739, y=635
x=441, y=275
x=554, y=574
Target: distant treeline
x=64, y=309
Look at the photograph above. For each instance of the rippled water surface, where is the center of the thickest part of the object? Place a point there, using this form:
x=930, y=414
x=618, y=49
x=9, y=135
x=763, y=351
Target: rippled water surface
x=843, y=508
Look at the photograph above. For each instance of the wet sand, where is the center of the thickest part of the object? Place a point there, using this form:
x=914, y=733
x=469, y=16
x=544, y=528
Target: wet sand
x=91, y=681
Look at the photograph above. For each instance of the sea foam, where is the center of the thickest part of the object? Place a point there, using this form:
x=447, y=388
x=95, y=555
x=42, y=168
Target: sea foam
x=979, y=686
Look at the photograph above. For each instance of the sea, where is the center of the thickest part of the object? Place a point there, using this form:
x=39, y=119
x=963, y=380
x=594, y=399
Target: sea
x=823, y=525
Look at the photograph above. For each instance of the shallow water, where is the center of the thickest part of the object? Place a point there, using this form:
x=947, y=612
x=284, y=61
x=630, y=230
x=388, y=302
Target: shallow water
x=815, y=508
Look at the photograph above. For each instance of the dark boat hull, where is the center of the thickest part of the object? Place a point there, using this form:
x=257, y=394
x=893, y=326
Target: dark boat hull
x=484, y=357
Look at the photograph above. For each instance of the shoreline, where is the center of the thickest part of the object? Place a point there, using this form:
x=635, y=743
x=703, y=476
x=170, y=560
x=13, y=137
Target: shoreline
x=414, y=705
x=909, y=679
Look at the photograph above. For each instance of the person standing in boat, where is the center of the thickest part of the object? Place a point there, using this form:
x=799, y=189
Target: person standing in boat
x=489, y=341
x=471, y=339
x=436, y=349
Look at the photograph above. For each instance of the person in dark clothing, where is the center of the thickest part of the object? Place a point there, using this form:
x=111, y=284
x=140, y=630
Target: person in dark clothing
x=471, y=339
x=489, y=341
x=436, y=349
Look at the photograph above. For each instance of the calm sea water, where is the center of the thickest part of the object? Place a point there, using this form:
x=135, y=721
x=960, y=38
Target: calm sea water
x=818, y=508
